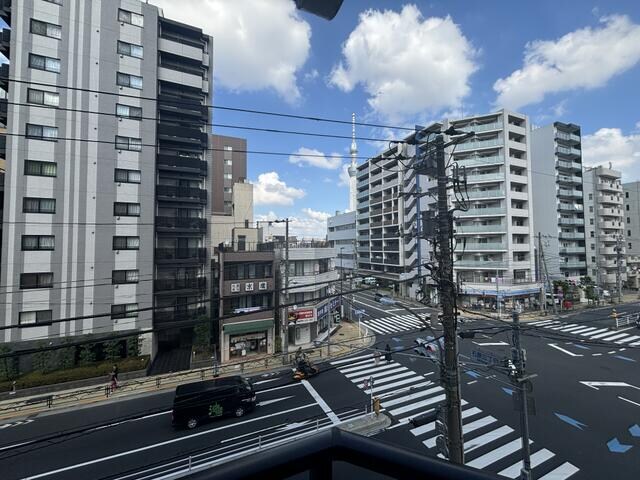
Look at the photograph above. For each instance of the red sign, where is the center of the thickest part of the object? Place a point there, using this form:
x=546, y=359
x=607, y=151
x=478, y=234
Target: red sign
x=303, y=314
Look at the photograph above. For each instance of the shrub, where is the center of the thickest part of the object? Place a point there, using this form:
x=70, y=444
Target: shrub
x=112, y=350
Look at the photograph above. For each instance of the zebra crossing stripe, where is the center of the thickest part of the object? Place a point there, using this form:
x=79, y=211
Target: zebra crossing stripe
x=561, y=327
x=417, y=405
x=537, y=458
x=408, y=398
x=543, y=322
x=431, y=426
x=574, y=329
x=362, y=365
x=563, y=471
x=367, y=373
x=588, y=334
x=370, y=327
x=615, y=337
x=634, y=344
x=380, y=373
x=487, y=438
x=630, y=339
x=468, y=428
x=351, y=359
x=381, y=326
x=412, y=325
x=497, y=454
x=369, y=367
x=391, y=385
x=383, y=380
x=584, y=330
x=412, y=387
x=600, y=335
x=412, y=319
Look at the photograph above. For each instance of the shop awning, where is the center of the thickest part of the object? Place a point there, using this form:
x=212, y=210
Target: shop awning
x=247, y=327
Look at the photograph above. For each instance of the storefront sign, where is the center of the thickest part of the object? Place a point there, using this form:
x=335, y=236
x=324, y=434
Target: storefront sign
x=302, y=316
x=327, y=307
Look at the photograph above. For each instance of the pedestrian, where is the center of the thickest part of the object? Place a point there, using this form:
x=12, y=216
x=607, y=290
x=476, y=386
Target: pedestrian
x=376, y=357
x=387, y=355
x=114, y=378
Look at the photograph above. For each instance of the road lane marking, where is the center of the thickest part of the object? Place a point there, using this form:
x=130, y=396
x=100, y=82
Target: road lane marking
x=383, y=380
x=588, y=334
x=595, y=385
x=432, y=425
x=630, y=401
x=553, y=345
x=258, y=392
x=166, y=442
x=380, y=373
x=417, y=405
x=351, y=359
x=629, y=339
x=470, y=427
x=614, y=336
x=487, y=438
x=497, y=454
x=584, y=330
x=372, y=368
x=323, y=405
x=537, y=458
x=413, y=396
x=490, y=344
x=563, y=471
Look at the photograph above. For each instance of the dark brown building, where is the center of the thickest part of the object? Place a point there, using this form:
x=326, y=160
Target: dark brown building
x=229, y=166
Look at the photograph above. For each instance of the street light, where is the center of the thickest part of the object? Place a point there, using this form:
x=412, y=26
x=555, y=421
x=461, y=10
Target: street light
x=326, y=9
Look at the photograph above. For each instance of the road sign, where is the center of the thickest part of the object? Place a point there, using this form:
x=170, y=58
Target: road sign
x=485, y=357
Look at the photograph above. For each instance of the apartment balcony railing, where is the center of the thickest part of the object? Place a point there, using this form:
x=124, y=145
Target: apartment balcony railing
x=571, y=221
x=181, y=254
x=478, y=161
x=480, y=246
x=192, y=283
x=568, y=151
x=480, y=264
x=563, y=192
x=181, y=224
x=613, y=199
x=485, y=177
x=477, y=212
x=610, y=224
x=363, y=194
x=485, y=194
x=363, y=203
x=571, y=236
x=182, y=164
x=571, y=207
x=573, y=264
x=613, y=212
x=171, y=192
x=607, y=237
x=485, y=127
x=178, y=314
x=564, y=164
x=362, y=183
x=568, y=250
x=570, y=179
x=496, y=142
x=480, y=228
x=611, y=187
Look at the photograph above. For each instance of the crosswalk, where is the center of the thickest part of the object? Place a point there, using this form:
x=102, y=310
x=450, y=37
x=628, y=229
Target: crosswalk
x=395, y=323
x=588, y=331
x=489, y=445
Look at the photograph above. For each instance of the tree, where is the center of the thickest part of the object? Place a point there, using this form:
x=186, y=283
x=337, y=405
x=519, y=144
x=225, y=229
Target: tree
x=87, y=354
x=202, y=333
x=588, y=286
x=67, y=357
x=112, y=350
x=133, y=346
x=8, y=365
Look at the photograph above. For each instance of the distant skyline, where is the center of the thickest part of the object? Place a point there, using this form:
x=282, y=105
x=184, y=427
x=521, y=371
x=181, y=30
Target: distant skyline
x=402, y=63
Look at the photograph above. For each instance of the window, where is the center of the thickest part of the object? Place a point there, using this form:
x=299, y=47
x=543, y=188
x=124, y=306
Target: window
x=35, y=317
x=126, y=243
x=629, y=246
x=40, y=169
x=228, y=162
x=591, y=196
x=38, y=242
x=42, y=132
x=124, y=209
x=228, y=176
x=129, y=49
x=228, y=190
x=36, y=280
x=590, y=209
x=38, y=205
x=47, y=29
x=592, y=234
x=128, y=143
x=235, y=288
x=124, y=310
x=126, y=80
x=626, y=194
x=40, y=62
x=248, y=287
x=127, y=111
x=42, y=97
x=124, y=276
x=262, y=285
x=591, y=221
x=628, y=233
x=627, y=206
x=126, y=16
x=127, y=176
x=628, y=219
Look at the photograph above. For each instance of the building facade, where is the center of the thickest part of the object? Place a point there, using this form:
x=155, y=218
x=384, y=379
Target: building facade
x=312, y=276
x=557, y=183
x=341, y=235
x=604, y=227
x=245, y=284
x=632, y=232
x=107, y=213
x=229, y=166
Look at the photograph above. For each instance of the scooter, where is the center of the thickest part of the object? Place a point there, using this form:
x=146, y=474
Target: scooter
x=304, y=370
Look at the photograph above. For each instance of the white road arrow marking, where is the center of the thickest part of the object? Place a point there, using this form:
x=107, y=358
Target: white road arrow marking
x=487, y=344
x=595, y=385
x=275, y=400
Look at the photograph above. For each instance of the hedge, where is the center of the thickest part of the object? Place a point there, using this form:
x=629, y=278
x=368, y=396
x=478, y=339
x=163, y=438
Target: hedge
x=102, y=369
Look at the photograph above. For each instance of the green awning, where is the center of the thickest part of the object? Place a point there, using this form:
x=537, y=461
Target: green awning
x=247, y=327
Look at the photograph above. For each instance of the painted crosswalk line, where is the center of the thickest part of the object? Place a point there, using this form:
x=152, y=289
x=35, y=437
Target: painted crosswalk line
x=489, y=444
x=584, y=332
x=395, y=323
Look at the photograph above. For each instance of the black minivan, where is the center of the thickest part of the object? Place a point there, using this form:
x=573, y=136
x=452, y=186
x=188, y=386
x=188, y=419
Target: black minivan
x=199, y=402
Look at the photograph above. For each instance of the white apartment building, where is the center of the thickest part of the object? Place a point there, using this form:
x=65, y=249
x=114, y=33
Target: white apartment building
x=312, y=276
x=632, y=232
x=341, y=235
x=558, y=206
x=494, y=237
x=604, y=229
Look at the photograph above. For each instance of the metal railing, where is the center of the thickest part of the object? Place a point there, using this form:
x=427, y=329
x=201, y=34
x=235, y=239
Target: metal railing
x=627, y=320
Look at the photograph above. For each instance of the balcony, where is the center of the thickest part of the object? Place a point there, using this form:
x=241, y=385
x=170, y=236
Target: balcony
x=564, y=164
x=362, y=183
x=178, y=314
x=175, y=163
x=5, y=42
x=495, y=142
x=573, y=265
x=4, y=77
x=570, y=207
x=607, y=237
x=485, y=194
x=187, y=283
x=181, y=194
x=571, y=221
x=181, y=254
x=480, y=161
x=182, y=135
x=481, y=264
x=569, y=151
x=570, y=179
x=486, y=177
x=563, y=192
x=609, y=187
x=3, y=110
x=483, y=212
x=464, y=229
x=481, y=247
x=5, y=11
x=608, y=224
x=484, y=127
x=570, y=250
x=611, y=212
x=361, y=195
x=613, y=199
x=181, y=224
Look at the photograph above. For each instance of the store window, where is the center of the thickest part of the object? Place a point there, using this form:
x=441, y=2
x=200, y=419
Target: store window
x=247, y=344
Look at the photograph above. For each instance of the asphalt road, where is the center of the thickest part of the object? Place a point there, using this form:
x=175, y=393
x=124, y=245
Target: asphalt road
x=586, y=394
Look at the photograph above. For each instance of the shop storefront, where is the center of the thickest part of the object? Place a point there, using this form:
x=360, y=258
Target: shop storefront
x=243, y=340
x=301, y=324
x=324, y=313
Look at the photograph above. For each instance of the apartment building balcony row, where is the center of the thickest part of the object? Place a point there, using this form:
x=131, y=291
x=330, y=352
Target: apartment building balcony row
x=181, y=254
x=478, y=161
x=571, y=193
x=609, y=186
x=178, y=314
x=481, y=247
x=570, y=221
x=569, y=151
x=481, y=264
x=180, y=283
x=475, y=229
x=612, y=199
x=490, y=193
x=570, y=207
x=573, y=264
x=572, y=250
x=568, y=165
x=479, y=212
x=567, y=137
x=571, y=235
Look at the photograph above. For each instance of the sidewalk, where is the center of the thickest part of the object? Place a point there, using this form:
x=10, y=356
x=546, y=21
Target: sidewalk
x=344, y=341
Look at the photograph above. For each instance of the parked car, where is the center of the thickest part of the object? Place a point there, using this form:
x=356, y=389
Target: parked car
x=200, y=402
x=384, y=299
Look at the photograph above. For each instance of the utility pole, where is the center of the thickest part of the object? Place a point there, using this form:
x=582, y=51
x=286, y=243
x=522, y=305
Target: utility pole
x=284, y=323
x=548, y=280
x=447, y=293
x=521, y=383
x=543, y=290
x=619, y=266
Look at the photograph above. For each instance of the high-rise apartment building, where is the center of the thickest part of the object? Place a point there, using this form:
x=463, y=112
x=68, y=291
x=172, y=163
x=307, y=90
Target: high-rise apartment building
x=341, y=235
x=632, y=232
x=229, y=167
x=604, y=227
x=558, y=205
x=107, y=158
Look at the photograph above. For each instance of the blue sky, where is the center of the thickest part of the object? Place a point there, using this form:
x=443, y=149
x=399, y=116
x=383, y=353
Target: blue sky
x=400, y=63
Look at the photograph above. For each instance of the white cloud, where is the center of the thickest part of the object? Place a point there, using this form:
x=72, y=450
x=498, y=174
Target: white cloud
x=315, y=158
x=256, y=44
x=270, y=190
x=310, y=224
x=586, y=58
x=407, y=64
x=316, y=215
x=611, y=145
x=312, y=75
x=343, y=179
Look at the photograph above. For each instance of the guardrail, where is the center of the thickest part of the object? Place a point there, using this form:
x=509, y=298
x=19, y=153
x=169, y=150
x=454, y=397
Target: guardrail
x=73, y=397
x=627, y=320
